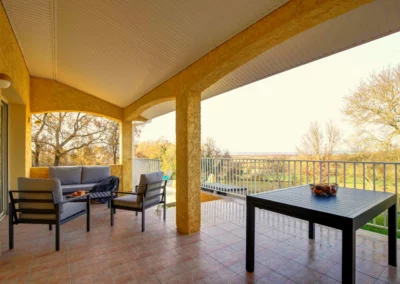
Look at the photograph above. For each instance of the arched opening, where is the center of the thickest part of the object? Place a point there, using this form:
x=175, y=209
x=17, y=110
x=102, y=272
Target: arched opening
x=74, y=138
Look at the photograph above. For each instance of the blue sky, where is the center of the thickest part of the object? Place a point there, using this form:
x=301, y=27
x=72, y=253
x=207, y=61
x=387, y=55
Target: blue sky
x=271, y=115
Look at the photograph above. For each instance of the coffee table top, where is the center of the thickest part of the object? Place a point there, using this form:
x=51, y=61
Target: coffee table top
x=347, y=203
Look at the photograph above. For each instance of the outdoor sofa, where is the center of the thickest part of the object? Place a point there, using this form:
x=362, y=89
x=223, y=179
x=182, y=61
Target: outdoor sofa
x=76, y=178
x=95, y=179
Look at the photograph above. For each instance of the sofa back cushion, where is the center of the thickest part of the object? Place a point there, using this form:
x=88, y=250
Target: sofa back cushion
x=66, y=175
x=95, y=174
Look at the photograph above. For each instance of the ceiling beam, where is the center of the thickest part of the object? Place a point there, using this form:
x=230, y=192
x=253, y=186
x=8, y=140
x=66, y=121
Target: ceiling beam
x=289, y=20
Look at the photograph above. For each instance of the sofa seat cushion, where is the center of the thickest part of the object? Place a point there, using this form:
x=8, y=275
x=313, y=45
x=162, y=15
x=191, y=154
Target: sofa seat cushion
x=128, y=200
x=95, y=174
x=66, y=175
x=69, y=188
x=70, y=209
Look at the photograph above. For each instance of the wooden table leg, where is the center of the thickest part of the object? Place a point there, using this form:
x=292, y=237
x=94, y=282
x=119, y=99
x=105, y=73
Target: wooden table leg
x=311, y=230
x=392, y=248
x=349, y=256
x=250, y=237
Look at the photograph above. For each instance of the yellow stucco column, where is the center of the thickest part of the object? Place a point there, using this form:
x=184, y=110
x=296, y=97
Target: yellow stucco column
x=126, y=155
x=188, y=135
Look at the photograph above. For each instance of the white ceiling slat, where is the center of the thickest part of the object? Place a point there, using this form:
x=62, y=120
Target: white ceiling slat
x=35, y=33
x=120, y=50
x=364, y=24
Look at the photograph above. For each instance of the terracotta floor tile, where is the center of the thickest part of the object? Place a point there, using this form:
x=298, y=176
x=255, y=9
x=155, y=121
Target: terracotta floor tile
x=390, y=275
x=369, y=268
x=123, y=254
x=326, y=280
x=321, y=265
x=306, y=276
x=274, y=278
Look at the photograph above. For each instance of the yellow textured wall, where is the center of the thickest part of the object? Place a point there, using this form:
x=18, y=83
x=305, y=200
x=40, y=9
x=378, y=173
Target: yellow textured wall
x=291, y=19
x=188, y=134
x=12, y=64
x=11, y=59
x=49, y=95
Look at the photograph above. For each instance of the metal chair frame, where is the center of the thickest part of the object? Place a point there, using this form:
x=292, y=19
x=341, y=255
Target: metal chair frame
x=14, y=220
x=144, y=205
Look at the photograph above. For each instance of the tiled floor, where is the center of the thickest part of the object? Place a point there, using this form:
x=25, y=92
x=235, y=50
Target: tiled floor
x=123, y=254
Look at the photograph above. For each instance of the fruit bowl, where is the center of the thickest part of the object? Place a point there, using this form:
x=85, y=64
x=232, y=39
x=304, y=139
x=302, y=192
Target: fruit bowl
x=324, y=189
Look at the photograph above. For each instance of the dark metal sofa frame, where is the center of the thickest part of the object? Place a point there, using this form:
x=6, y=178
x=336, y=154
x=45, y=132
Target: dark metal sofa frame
x=144, y=204
x=14, y=220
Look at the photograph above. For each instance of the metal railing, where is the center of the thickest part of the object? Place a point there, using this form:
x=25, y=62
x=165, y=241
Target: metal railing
x=144, y=166
x=239, y=177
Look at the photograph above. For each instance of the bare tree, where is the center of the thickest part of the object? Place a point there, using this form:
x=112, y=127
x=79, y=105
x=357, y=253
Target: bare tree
x=374, y=109
x=210, y=149
x=112, y=140
x=318, y=143
x=68, y=132
x=37, y=137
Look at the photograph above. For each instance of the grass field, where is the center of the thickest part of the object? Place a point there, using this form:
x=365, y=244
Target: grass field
x=380, y=220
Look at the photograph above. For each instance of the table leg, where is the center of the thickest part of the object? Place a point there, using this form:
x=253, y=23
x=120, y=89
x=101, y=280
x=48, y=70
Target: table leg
x=349, y=256
x=311, y=230
x=250, y=237
x=392, y=235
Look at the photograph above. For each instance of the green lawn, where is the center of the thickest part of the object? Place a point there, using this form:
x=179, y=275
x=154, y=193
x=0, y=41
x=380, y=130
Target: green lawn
x=380, y=221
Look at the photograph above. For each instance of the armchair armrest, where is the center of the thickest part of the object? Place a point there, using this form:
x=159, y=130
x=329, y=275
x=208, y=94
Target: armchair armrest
x=123, y=192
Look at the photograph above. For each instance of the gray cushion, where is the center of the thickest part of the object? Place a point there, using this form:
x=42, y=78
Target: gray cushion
x=151, y=180
x=68, y=188
x=95, y=174
x=40, y=184
x=67, y=175
x=70, y=208
x=128, y=200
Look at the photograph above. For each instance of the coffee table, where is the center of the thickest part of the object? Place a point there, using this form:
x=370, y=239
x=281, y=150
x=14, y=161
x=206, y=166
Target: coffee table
x=105, y=195
x=348, y=211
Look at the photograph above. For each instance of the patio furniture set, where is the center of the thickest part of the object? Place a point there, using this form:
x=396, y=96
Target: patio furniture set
x=49, y=200
x=44, y=201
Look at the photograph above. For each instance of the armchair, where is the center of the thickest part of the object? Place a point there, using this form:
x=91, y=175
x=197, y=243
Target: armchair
x=40, y=201
x=151, y=191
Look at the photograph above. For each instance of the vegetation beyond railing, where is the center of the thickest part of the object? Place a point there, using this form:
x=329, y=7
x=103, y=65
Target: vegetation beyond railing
x=239, y=177
x=144, y=166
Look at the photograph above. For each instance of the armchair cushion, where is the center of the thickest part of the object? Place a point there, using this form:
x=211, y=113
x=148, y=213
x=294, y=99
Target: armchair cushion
x=128, y=200
x=70, y=209
x=95, y=174
x=40, y=184
x=66, y=175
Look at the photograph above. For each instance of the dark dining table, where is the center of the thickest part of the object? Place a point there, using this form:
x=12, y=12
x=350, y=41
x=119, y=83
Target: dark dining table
x=348, y=211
